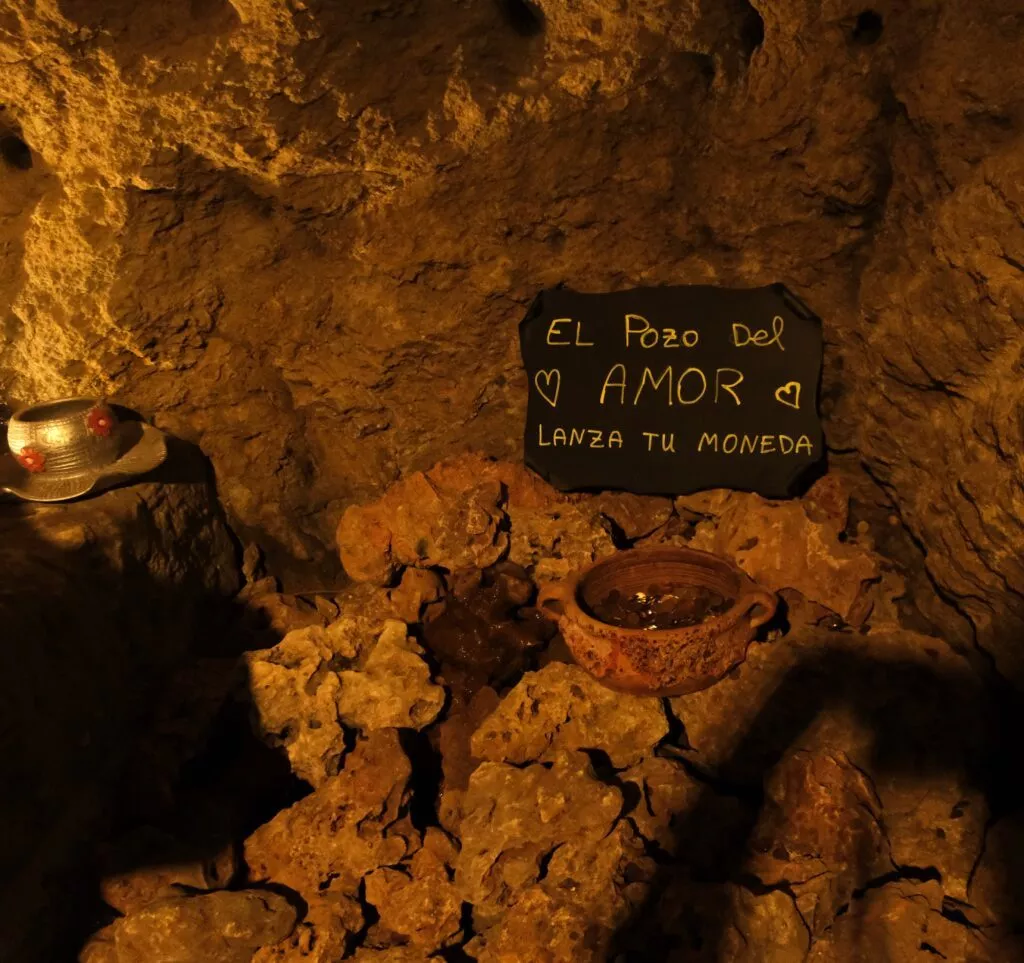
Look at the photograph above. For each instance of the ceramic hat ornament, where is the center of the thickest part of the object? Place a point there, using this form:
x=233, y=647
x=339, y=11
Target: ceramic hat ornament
x=64, y=449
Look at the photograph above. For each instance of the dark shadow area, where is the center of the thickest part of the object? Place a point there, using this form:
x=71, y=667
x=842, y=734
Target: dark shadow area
x=125, y=738
x=923, y=723
x=526, y=18
x=751, y=31
x=15, y=152
x=867, y=29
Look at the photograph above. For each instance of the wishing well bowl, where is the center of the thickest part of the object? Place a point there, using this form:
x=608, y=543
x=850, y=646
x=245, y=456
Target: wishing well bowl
x=658, y=661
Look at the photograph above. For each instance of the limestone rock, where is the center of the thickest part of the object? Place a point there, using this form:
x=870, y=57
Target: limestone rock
x=455, y=516
x=453, y=738
x=100, y=947
x=420, y=590
x=551, y=533
x=418, y=902
x=427, y=519
x=902, y=708
x=272, y=614
x=827, y=502
x=815, y=688
x=635, y=516
x=484, y=631
x=938, y=819
x=762, y=928
x=364, y=543
x=780, y=545
x=904, y=921
x=560, y=707
x=357, y=671
x=994, y=891
x=957, y=491
x=325, y=843
x=223, y=927
x=541, y=927
x=165, y=264
x=552, y=536
x=391, y=687
x=294, y=695
x=323, y=935
x=608, y=880
x=148, y=864
x=821, y=834
x=314, y=269
x=389, y=954
x=514, y=819
x=664, y=791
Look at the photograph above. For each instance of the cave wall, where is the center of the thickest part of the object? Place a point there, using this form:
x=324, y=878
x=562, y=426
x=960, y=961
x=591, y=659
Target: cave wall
x=302, y=234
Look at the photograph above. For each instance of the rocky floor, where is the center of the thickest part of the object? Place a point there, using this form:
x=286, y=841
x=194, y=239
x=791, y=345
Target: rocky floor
x=460, y=790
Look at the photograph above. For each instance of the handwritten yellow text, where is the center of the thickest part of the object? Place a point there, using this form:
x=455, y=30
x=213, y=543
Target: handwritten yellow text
x=639, y=329
x=579, y=438
x=555, y=332
x=686, y=389
x=668, y=442
x=742, y=335
x=755, y=444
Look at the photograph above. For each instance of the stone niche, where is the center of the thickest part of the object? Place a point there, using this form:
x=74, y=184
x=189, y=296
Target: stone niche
x=299, y=237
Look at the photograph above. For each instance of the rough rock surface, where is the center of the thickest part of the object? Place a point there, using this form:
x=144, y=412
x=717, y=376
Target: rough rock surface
x=470, y=513
x=295, y=699
x=391, y=686
x=633, y=516
x=318, y=680
x=665, y=793
x=898, y=710
x=486, y=632
x=223, y=927
x=554, y=829
x=453, y=739
x=561, y=707
x=310, y=256
x=820, y=834
x=420, y=904
x=541, y=926
x=420, y=594
x=271, y=614
x=342, y=831
x=324, y=845
x=420, y=523
x=161, y=865
x=763, y=927
x=834, y=776
x=905, y=921
x=790, y=545
x=993, y=888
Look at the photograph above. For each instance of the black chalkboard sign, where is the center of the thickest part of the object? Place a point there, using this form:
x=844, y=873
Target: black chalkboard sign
x=673, y=390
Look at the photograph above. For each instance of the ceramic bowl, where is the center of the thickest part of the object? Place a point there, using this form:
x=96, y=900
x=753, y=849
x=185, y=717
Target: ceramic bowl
x=658, y=661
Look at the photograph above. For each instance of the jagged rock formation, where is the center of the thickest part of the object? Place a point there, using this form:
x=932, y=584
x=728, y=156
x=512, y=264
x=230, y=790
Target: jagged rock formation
x=302, y=236
x=842, y=795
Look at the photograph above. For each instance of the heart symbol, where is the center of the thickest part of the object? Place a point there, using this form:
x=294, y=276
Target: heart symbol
x=548, y=377
x=789, y=394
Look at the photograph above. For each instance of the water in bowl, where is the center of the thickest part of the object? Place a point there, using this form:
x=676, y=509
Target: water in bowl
x=660, y=607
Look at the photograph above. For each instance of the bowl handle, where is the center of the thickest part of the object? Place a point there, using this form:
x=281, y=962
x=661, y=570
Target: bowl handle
x=551, y=592
x=753, y=597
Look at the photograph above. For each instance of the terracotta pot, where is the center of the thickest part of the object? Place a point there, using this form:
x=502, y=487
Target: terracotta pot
x=658, y=661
